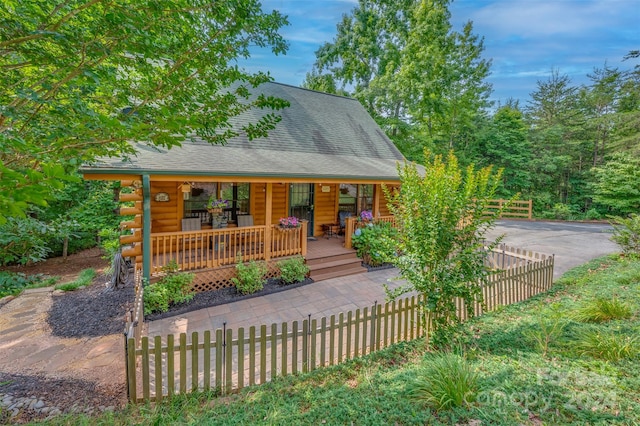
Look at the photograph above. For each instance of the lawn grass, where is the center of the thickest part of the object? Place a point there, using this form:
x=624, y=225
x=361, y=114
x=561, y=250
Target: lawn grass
x=528, y=360
x=84, y=279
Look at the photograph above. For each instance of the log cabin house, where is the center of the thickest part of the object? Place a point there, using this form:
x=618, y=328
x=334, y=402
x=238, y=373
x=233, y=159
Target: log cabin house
x=326, y=156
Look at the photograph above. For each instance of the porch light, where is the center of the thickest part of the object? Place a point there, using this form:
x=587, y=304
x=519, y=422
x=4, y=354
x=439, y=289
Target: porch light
x=186, y=190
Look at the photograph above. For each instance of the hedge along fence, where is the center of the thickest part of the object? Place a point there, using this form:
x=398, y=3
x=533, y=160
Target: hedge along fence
x=225, y=360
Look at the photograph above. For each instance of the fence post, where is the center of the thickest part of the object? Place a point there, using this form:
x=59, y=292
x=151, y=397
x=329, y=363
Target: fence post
x=305, y=344
x=374, y=324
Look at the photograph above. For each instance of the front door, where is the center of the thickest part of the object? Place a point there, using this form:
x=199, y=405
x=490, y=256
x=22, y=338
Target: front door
x=301, y=203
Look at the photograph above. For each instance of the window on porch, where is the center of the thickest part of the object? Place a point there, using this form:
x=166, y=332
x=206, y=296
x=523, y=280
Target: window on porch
x=355, y=198
x=236, y=193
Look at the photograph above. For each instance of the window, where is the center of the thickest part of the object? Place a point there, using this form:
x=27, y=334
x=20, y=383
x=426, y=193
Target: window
x=355, y=198
x=194, y=204
x=238, y=196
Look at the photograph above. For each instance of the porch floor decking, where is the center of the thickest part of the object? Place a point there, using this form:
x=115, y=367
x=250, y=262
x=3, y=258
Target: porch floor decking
x=324, y=247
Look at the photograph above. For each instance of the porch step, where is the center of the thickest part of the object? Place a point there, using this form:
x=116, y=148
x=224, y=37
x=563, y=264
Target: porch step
x=335, y=266
x=332, y=258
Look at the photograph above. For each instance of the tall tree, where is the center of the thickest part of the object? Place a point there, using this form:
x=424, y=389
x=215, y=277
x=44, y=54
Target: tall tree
x=504, y=143
x=555, y=122
x=83, y=78
x=422, y=81
x=443, y=74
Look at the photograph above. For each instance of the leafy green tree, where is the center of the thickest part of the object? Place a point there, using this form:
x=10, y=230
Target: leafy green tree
x=504, y=143
x=442, y=74
x=422, y=81
x=441, y=223
x=617, y=184
x=557, y=144
x=84, y=78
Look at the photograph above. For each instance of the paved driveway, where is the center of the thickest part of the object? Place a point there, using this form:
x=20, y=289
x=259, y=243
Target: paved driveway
x=572, y=243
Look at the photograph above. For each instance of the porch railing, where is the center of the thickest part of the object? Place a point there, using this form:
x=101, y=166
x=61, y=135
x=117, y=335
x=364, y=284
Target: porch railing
x=220, y=247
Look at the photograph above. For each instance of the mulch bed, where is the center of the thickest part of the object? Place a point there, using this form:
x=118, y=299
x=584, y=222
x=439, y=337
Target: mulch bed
x=207, y=299
x=90, y=312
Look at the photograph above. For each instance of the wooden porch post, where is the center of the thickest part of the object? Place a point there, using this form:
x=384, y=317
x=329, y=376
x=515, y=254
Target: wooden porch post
x=303, y=238
x=146, y=227
x=376, y=200
x=267, y=220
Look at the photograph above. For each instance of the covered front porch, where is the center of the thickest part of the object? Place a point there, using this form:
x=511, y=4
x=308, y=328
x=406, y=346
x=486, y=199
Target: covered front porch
x=212, y=254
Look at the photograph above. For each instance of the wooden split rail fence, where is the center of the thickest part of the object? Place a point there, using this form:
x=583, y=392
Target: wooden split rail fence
x=225, y=360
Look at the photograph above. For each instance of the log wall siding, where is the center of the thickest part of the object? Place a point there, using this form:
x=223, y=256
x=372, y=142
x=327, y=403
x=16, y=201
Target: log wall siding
x=166, y=216
x=324, y=207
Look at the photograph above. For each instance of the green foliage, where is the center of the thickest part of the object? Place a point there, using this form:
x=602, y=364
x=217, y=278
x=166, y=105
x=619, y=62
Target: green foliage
x=504, y=144
x=445, y=381
x=250, y=276
x=561, y=211
x=605, y=344
x=546, y=332
x=441, y=223
x=592, y=214
x=11, y=283
x=293, y=270
x=602, y=310
x=376, y=244
x=626, y=233
x=173, y=288
x=22, y=240
x=83, y=79
x=617, y=183
x=84, y=279
x=418, y=77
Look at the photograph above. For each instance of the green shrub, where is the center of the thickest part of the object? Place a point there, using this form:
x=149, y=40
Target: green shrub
x=22, y=240
x=606, y=345
x=84, y=279
x=375, y=244
x=175, y=287
x=12, y=283
x=446, y=380
x=293, y=270
x=250, y=277
x=562, y=211
x=592, y=214
x=626, y=233
x=602, y=310
x=547, y=332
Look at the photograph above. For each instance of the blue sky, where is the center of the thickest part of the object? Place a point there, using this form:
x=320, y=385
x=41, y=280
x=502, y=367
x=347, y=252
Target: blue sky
x=525, y=39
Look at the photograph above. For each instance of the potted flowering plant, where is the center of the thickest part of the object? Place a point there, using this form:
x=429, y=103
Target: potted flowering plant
x=366, y=216
x=216, y=205
x=290, y=222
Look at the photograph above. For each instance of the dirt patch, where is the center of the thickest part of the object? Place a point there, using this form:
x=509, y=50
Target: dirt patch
x=67, y=270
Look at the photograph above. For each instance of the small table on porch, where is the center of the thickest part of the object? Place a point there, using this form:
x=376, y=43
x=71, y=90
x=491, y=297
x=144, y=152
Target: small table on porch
x=331, y=229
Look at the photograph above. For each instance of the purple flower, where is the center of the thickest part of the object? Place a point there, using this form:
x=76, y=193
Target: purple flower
x=366, y=215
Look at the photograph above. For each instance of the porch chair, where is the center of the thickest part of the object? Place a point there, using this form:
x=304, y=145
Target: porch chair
x=245, y=220
x=191, y=224
x=246, y=242
x=342, y=220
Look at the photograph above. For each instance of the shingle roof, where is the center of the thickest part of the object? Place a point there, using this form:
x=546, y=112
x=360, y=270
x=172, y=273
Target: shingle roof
x=320, y=135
